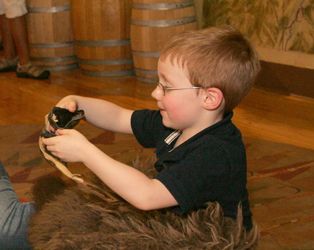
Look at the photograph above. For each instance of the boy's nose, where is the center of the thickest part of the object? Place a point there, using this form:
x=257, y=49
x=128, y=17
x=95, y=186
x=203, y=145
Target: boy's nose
x=157, y=93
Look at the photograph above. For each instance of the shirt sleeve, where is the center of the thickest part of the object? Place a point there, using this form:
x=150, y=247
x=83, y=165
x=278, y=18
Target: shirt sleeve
x=193, y=182
x=147, y=126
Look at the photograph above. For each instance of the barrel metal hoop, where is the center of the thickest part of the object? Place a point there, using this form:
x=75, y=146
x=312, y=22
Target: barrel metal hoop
x=105, y=62
x=108, y=73
x=154, y=54
x=162, y=6
x=54, y=9
x=55, y=59
x=146, y=75
x=62, y=67
x=164, y=23
x=147, y=80
x=102, y=43
x=146, y=71
x=51, y=45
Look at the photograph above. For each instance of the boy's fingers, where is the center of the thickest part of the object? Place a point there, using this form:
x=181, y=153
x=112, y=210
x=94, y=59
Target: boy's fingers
x=49, y=141
x=72, y=106
x=45, y=141
x=48, y=127
x=61, y=131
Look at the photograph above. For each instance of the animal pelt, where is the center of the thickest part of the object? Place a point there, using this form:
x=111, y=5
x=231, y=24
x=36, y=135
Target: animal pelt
x=80, y=217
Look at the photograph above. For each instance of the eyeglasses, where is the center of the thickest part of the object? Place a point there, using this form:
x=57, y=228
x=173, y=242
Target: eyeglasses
x=166, y=89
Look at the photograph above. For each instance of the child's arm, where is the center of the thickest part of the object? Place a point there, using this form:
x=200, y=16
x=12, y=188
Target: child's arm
x=131, y=184
x=101, y=113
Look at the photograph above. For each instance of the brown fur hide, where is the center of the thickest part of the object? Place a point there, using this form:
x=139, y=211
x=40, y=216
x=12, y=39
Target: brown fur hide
x=79, y=217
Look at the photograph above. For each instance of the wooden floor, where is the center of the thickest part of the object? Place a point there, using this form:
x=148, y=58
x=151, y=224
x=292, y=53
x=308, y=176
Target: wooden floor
x=275, y=121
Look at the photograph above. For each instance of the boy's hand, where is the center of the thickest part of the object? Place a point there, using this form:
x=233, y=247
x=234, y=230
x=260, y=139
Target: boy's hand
x=69, y=145
x=68, y=103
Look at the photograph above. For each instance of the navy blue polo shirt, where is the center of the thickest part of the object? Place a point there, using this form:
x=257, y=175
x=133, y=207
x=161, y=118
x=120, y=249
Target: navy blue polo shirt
x=210, y=166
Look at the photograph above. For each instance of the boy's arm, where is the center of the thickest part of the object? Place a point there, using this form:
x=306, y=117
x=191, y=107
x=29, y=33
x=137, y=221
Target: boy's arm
x=100, y=113
x=128, y=182
x=131, y=184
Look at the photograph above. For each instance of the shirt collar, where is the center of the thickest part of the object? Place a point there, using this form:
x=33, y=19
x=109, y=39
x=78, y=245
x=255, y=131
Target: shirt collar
x=175, y=134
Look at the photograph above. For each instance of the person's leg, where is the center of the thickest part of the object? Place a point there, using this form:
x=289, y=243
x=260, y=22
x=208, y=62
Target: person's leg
x=10, y=60
x=7, y=39
x=1, y=46
x=19, y=34
x=25, y=68
x=9, y=9
x=15, y=11
x=14, y=216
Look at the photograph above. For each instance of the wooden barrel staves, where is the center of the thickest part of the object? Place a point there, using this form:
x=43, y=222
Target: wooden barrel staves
x=153, y=22
x=102, y=36
x=50, y=34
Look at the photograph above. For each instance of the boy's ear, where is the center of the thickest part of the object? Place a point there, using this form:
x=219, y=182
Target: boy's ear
x=213, y=98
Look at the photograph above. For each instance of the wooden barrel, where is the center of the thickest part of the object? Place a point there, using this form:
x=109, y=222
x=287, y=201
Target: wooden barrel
x=50, y=34
x=102, y=36
x=152, y=24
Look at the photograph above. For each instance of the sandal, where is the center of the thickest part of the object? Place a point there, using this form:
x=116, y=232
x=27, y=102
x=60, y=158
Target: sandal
x=31, y=71
x=7, y=65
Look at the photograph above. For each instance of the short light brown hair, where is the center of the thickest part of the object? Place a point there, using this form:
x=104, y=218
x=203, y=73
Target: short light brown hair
x=216, y=57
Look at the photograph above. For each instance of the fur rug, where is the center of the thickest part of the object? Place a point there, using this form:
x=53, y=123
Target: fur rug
x=72, y=216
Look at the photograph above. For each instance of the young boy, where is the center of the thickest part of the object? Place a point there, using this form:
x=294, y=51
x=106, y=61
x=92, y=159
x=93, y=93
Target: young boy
x=203, y=75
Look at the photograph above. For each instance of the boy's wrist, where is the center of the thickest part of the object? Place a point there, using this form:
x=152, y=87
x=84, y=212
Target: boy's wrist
x=88, y=153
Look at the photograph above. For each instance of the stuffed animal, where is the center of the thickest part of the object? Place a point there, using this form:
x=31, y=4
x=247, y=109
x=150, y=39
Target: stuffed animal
x=76, y=216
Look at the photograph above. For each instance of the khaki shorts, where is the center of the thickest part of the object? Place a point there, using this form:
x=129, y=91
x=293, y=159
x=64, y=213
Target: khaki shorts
x=12, y=8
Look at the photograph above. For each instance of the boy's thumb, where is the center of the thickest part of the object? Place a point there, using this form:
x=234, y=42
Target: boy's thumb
x=71, y=106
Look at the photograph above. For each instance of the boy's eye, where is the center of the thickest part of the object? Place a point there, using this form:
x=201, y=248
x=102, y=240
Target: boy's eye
x=165, y=84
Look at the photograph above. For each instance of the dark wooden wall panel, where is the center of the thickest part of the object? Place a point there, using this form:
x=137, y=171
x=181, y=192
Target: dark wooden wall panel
x=287, y=79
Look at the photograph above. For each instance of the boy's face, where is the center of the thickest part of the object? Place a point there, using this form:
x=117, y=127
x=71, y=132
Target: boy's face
x=180, y=108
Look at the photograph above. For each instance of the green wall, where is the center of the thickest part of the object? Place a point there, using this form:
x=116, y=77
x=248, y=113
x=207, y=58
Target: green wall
x=286, y=25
